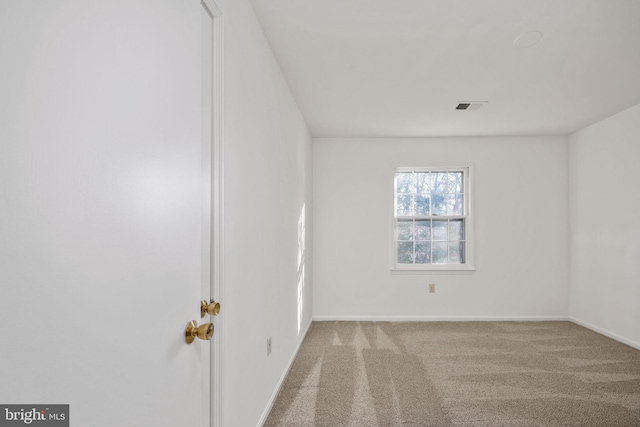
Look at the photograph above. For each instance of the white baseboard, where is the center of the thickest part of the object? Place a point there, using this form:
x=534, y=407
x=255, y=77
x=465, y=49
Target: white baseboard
x=607, y=333
x=441, y=318
x=272, y=400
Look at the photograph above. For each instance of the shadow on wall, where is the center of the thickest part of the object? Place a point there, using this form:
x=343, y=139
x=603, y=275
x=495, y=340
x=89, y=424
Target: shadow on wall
x=301, y=264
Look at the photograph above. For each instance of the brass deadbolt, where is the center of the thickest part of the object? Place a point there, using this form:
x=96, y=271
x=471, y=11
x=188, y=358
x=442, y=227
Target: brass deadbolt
x=211, y=308
x=204, y=331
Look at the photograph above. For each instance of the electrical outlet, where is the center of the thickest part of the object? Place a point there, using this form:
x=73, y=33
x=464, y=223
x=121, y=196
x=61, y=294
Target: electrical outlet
x=268, y=346
x=432, y=288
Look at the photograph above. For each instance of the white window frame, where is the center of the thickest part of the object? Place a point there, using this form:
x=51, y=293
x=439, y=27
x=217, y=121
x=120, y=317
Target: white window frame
x=468, y=217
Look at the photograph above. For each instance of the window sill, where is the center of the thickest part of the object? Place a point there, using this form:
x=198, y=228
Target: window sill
x=467, y=269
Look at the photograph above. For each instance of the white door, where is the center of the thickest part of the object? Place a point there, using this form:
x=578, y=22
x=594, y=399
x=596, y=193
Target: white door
x=105, y=208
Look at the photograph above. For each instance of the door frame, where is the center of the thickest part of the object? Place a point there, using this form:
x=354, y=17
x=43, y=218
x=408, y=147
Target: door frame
x=217, y=211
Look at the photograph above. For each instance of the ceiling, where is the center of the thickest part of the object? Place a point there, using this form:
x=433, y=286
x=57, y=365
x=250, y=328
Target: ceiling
x=399, y=67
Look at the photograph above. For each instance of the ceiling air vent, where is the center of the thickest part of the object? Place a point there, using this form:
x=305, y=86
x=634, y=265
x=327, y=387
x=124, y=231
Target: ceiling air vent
x=470, y=105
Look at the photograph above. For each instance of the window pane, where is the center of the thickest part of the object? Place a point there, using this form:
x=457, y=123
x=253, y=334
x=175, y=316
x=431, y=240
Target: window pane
x=404, y=206
x=456, y=229
x=440, y=182
x=405, y=229
x=439, y=252
x=439, y=230
x=423, y=182
x=423, y=253
x=455, y=182
x=423, y=230
x=405, y=182
x=405, y=252
x=456, y=253
x=438, y=204
x=454, y=205
x=422, y=205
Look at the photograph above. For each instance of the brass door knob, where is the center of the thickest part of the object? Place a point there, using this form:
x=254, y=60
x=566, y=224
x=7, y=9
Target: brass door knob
x=211, y=308
x=204, y=331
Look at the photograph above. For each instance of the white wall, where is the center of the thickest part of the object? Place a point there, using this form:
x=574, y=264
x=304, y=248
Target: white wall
x=267, y=206
x=521, y=222
x=605, y=230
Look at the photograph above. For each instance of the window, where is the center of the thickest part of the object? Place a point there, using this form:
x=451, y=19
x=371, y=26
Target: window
x=432, y=222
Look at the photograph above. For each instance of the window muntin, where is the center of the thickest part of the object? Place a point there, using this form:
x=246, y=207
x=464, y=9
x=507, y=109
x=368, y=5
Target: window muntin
x=431, y=217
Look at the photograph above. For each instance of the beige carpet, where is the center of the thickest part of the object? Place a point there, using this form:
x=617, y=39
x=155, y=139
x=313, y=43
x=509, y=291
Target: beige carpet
x=459, y=374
